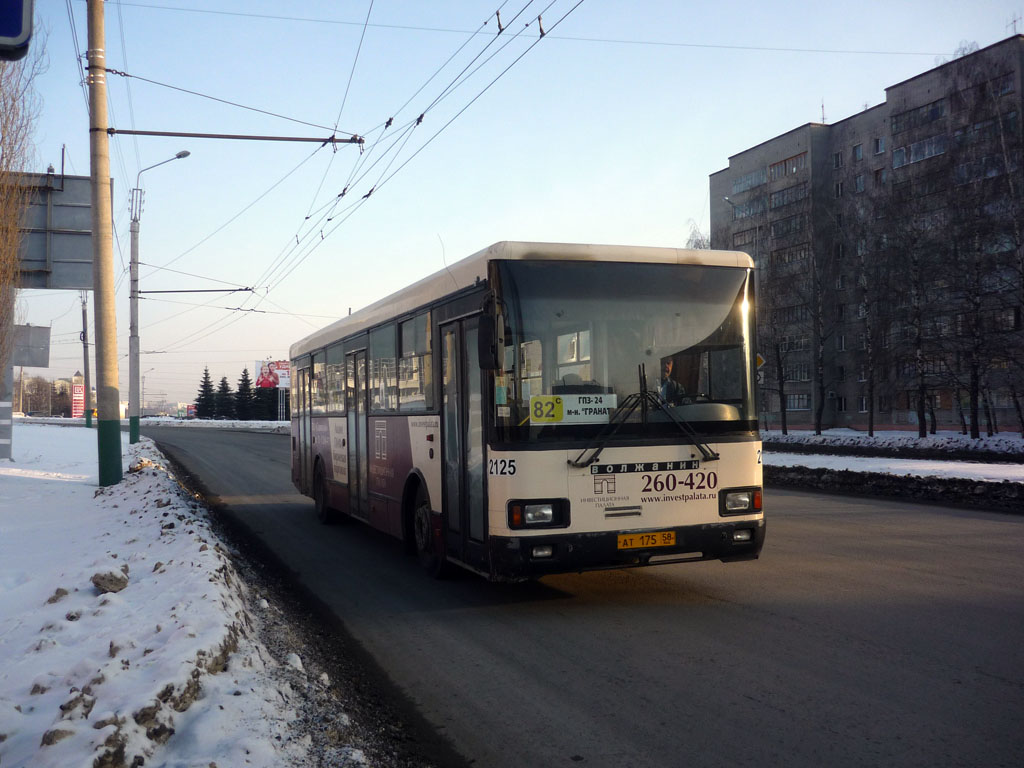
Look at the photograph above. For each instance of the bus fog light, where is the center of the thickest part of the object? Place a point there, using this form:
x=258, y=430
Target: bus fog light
x=744, y=534
x=538, y=514
x=542, y=551
x=737, y=501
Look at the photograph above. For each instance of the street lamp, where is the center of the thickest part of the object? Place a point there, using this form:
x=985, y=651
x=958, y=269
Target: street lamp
x=133, y=337
x=143, y=398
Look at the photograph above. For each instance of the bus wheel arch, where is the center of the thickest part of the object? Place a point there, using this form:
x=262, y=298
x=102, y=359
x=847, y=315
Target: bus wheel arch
x=321, y=495
x=424, y=529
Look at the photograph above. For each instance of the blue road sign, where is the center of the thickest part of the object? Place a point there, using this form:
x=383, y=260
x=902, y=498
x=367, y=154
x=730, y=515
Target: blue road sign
x=15, y=28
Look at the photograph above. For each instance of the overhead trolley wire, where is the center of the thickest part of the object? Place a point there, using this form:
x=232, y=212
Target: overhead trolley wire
x=604, y=40
x=438, y=133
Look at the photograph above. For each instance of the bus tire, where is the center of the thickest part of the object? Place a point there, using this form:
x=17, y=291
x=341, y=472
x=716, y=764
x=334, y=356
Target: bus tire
x=324, y=513
x=433, y=561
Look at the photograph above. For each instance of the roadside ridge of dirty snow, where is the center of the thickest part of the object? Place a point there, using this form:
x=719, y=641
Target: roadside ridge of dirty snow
x=1008, y=446
x=126, y=636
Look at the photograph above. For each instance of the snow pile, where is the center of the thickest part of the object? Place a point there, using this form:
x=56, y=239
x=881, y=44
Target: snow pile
x=947, y=441
x=124, y=630
x=277, y=427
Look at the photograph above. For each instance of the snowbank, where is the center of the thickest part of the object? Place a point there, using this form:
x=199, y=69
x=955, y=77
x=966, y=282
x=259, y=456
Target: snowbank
x=92, y=677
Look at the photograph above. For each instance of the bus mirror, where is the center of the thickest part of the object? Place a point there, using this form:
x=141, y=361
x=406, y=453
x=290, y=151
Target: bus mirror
x=487, y=343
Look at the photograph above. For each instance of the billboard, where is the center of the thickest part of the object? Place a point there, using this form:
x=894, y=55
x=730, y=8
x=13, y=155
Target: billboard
x=77, y=401
x=273, y=374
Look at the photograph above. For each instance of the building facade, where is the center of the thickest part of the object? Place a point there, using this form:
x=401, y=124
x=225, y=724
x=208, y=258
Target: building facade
x=889, y=252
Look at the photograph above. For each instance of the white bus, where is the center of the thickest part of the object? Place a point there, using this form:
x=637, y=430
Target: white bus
x=543, y=408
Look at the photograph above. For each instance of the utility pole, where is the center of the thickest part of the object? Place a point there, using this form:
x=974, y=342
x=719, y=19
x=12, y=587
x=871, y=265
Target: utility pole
x=85, y=360
x=133, y=336
x=108, y=400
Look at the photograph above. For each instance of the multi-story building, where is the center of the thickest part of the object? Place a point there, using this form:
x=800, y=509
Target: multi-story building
x=890, y=254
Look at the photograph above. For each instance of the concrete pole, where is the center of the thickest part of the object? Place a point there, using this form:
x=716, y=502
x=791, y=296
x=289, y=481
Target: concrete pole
x=108, y=400
x=133, y=337
x=85, y=360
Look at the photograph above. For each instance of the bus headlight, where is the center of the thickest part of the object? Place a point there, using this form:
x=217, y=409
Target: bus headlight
x=538, y=513
x=739, y=501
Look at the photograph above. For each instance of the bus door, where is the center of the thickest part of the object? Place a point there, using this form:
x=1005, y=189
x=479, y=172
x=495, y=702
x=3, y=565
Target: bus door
x=305, y=432
x=464, y=503
x=358, y=466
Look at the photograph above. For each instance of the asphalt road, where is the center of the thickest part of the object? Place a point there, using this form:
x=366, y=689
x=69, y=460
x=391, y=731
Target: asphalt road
x=869, y=633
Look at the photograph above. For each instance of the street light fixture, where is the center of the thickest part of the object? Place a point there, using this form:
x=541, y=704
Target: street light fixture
x=133, y=338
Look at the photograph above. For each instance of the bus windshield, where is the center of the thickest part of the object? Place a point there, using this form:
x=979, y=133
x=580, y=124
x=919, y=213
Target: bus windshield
x=578, y=338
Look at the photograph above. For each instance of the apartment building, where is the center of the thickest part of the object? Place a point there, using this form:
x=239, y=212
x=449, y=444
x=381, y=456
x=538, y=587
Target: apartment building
x=889, y=250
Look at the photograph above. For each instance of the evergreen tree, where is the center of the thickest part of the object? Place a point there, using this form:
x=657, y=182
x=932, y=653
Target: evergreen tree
x=224, y=403
x=265, y=407
x=244, y=397
x=206, y=397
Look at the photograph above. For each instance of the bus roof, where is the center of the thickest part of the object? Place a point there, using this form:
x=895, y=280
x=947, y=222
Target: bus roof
x=470, y=270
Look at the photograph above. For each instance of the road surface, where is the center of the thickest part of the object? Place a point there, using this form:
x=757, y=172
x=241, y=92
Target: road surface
x=870, y=632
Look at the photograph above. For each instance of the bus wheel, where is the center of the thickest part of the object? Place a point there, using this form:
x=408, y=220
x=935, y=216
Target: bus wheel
x=324, y=513
x=423, y=531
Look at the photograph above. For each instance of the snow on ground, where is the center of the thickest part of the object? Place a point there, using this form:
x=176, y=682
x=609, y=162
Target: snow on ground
x=1006, y=442
x=168, y=667
x=970, y=470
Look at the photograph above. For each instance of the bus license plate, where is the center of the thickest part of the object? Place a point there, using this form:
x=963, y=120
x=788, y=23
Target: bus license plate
x=647, y=540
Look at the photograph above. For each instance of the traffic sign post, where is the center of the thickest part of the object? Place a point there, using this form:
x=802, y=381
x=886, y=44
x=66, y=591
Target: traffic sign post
x=15, y=28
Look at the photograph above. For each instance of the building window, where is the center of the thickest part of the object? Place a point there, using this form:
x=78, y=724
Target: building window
x=787, y=196
x=798, y=402
x=749, y=181
x=789, y=226
x=858, y=182
x=745, y=237
x=837, y=159
x=840, y=343
x=841, y=283
x=839, y=189
x=753, y=207
x=840, y=312
x=840, y=373
x=914, y=118
x=862, y=404
x=858, y=152
x=880, y=145
x=795, y=314
x=919, y=150
x=880, y=177
x=788, y=167
x=797, y=372
x=841, y=404
x=839, y=251
x=795, y=255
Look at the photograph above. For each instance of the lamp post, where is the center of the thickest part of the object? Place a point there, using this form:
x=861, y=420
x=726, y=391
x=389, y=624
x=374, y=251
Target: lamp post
x=142, y=399
x=133, y=338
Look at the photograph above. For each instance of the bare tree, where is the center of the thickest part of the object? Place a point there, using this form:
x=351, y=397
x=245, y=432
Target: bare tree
x=19, y=107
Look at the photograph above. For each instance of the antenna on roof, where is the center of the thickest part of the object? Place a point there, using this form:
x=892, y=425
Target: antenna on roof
x=1013, y=23
x=823, y=110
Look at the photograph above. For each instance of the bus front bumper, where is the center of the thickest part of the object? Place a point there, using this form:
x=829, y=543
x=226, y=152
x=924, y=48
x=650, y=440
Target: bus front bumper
x=518, y=557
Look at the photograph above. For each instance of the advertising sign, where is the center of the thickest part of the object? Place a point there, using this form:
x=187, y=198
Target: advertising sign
x=273, y=374
x=77, y=401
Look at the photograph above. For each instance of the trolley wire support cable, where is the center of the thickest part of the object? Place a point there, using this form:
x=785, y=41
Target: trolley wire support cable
x=458, y=114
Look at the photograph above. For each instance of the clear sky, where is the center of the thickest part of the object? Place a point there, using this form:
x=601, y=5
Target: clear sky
x=604, y=131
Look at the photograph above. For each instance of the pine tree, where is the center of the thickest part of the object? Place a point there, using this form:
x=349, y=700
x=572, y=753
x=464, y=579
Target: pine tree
x=206, y=397
x=224, y=403
x=266, y=404
x=244, y=397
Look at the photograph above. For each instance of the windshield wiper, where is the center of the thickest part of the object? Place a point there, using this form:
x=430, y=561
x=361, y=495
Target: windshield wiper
x=643, y=400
